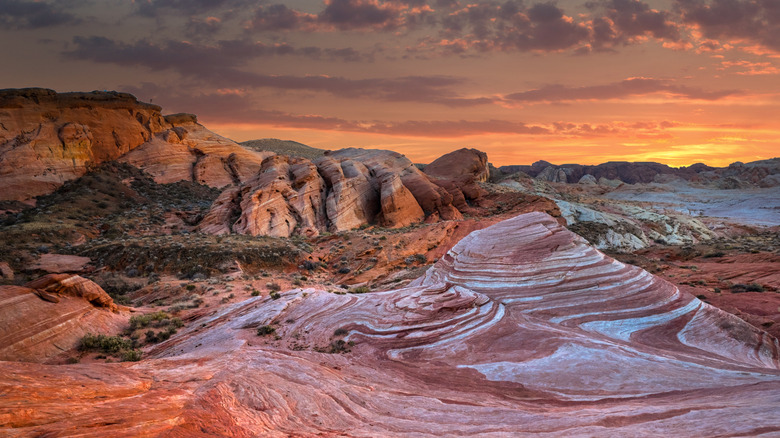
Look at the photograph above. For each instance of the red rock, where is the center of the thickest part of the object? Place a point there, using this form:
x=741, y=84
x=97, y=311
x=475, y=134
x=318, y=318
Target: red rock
x=522, y=328
x=49, y=138
x=459, y=172
x=49, y=315
x=341, y=191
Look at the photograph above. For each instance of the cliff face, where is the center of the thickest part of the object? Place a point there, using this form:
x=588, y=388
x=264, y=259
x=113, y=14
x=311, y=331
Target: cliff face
x=47, y=138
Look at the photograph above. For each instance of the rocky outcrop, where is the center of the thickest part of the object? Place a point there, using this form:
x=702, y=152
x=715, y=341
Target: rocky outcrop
x=340, y=191
x=47, y=138
x=49, y=315
x=522, y=328
x=460, y=173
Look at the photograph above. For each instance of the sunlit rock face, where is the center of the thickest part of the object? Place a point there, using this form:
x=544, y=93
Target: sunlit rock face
x=521, y=328
x=48, y=138
x=343, y=190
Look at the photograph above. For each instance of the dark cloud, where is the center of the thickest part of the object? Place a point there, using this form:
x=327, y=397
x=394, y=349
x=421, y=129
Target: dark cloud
x=202, y=28
x=20, y=14
x=635, y=18
x=617, y=90
x=155, y=8
x=219, y=66
x=280, y=17
x=512, y=26
x=191, y=59
x=757, y=21
x=358, y=14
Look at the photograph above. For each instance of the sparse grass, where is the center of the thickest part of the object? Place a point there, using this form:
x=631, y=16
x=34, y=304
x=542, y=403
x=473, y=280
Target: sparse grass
x=360, y=290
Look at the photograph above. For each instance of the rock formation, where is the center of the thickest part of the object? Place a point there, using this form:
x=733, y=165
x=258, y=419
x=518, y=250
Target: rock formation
x=459, y=172
x=339, y=191
x=47, y=138
x=764, y=173
x=49, y=315
x=522, y=328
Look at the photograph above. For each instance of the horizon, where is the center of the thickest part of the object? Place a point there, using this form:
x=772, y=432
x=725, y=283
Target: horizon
x=675, y=82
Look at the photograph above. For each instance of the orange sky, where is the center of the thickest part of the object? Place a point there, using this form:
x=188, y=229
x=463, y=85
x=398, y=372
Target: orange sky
x=673, y=81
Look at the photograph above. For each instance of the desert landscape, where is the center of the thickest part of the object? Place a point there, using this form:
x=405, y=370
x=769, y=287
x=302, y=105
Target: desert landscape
x=162, y=280
x=390, y=218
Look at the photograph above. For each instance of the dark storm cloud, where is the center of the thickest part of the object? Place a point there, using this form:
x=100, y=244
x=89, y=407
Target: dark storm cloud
x=755, y=20
x=19, y=14
x=219, y=66
x=617, y=90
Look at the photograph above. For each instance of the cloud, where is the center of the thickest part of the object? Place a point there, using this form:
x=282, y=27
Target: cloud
x=20, y=14
x=280, y=17
x=757, y=21
x=358, y=14
x=219, y=67
x=156, y=8
x=616, y=90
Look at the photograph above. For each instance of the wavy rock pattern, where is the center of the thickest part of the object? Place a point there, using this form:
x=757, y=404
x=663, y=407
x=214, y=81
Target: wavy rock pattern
x=49, y=315
x=521, y=328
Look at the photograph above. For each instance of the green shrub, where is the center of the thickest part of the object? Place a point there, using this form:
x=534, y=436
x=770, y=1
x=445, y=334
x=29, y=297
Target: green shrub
x=132, y=356
x=255, y=293
x=103, y=343
x=340, y=332
x=265, y=330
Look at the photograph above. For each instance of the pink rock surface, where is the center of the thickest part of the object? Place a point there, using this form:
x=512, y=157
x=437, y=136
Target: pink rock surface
x=49, y=315
x=522, y=328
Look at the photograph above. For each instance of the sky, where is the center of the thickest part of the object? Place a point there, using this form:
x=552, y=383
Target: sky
x=568, y=81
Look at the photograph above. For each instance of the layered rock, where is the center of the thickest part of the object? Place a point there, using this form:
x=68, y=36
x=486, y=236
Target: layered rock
x=49, y=315
x=47, y=138
x=340, y=191
x=522, y=328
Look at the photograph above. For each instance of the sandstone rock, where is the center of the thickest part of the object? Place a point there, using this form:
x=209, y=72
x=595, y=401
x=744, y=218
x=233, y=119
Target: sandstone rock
x=6, y=273
x=48, y=138
x=340, y=191
x=522, y=328
x=74, y=286
x=464, y=162
x=353, y=196
x=49, y=315
x=588, y=179
x=459, y=172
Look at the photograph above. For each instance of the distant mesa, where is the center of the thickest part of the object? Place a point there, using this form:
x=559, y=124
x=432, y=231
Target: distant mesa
x=284, y=147
x=764, y=173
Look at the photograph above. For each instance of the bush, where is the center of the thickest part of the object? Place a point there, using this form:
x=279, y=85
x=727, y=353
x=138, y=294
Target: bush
x=275, y=295
x=265, y=330
x=103, y=343
x=340, y=332
x=157, y=319
x=273, y=286
x=360, y=290
x=255, y=293
x=132, y=356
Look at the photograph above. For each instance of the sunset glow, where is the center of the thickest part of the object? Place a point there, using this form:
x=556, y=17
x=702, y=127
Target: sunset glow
x=673, y=81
